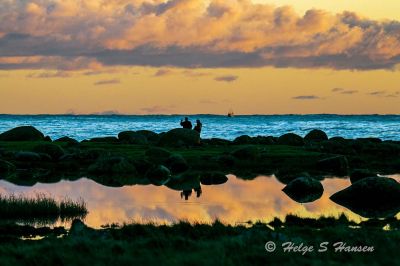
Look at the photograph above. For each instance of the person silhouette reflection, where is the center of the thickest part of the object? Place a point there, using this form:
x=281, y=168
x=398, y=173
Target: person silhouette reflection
x=198, y=191
x=186, y=193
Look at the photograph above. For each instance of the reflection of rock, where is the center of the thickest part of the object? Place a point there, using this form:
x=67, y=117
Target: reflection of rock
x=316, y=135
x=213, y=178
x=177, y=163
x=53, y=150
x=186, y=181
x=359, y=174
x=304, y=189
x=24, y=133
x=291, y=139
x=112, y=165
x=157, y=155
x=6, y=167
x=27, y=156
x=180, y=137
x=285, y=175
x=371, y=197
x=335, y=165
x=159, y=175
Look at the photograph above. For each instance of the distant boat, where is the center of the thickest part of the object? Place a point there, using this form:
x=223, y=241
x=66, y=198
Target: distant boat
x=230, y=113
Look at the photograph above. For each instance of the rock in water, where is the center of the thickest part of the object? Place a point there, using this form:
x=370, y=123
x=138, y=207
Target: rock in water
x=24, y=133
x=291, y=139
x=67, y=140
x=213, y=178
x=371, y=197
x=316, y=135
x=180, y=137
x=304, y=189
x=132, y=137
x=359, y=174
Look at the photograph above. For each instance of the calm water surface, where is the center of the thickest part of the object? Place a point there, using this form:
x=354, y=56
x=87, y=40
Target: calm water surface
x=234, y=202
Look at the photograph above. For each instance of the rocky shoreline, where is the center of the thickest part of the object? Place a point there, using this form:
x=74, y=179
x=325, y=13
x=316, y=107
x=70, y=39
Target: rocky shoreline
x=181, y=160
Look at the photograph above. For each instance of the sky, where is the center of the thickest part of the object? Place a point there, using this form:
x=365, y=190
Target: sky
x=196, y=56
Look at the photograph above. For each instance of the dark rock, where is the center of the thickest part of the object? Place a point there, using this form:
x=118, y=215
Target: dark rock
x=24, y=133
x=316, y=135
x=291, y=139
x=186, y=181
x=304, y=189
x=338, y=139
x=47, y=138
x=157, y=155
x=371, y=140
x=104, y=140
x=335, y=165
x=176, y=163
x=159, y=175
x=132, y=137
x=213, y=178
x=244, y=139
x=6, y=167
x=247, y=153
x=112, y=165
x=180, y=137
x=263, y=140
x=142, y=166
x=226, y=160
x=359, y=174
x=286, y=175
x=92, y=154
x=55, y=151
x=216, y=142
x=150, y=135
x=371, y=197
x=27, y=156
x=67, y=140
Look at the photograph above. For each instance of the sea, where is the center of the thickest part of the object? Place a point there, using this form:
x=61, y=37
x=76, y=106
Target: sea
x=80, y=127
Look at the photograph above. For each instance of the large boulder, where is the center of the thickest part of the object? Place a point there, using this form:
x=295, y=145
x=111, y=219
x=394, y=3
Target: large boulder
x=291, y=139
x=304, y=189
x=180, y=137
x=112, y=165
x=244, y=139
x=103, y=140
x=67, y=140
x=150, y=135
x=132, y=137
x=184, y=182
x=335, y=165
x=371, y=197
x=53, y=150
x=24, y=133
x=316, y=135
x=358, y=174
x=159, y=175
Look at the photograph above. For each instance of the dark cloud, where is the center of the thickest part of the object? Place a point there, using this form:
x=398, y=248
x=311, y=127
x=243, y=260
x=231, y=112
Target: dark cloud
x=227, y=78
x=107, y=82
x=306, y=97
x=46, y=75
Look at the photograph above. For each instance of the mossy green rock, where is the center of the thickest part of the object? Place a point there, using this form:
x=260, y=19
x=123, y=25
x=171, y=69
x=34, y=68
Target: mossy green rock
x=291, y=139
x=316, y=135
x=55, y=151
x=6, y=167
x=159, y=175
x=132, y=137
x=112, y=165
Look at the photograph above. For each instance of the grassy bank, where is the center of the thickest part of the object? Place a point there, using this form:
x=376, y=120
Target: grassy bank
x=40, y=206
x=207, y=244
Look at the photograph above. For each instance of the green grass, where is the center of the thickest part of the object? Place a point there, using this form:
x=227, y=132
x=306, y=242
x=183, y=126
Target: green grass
x=22, y=207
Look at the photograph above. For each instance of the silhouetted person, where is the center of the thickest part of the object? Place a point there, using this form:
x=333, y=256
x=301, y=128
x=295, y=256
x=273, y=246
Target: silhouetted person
x=198, y=126
x=186, y=124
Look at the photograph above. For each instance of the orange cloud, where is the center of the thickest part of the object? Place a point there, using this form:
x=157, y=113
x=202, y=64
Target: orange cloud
x=212, y=33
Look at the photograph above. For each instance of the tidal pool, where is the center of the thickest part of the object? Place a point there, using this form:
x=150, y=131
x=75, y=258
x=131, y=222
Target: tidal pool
x=236, y=201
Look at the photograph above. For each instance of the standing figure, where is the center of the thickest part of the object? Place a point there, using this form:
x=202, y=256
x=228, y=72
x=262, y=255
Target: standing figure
x=198, y=126
x=186, y=124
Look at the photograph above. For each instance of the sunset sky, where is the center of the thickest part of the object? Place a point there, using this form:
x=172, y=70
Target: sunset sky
x=197, y=56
